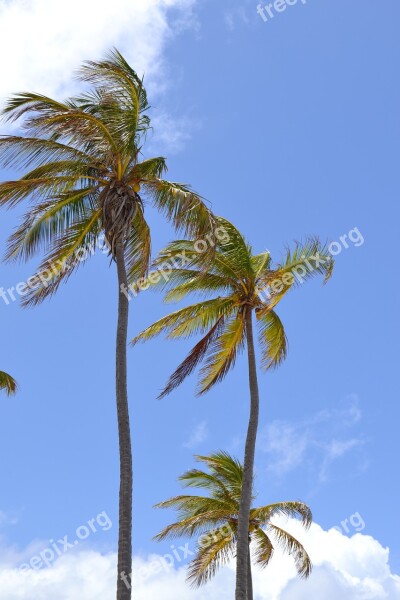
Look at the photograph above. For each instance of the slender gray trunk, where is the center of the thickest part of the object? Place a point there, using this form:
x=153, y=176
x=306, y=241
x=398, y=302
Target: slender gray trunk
x=242, y=555
x=249, y=577
x=125, y=448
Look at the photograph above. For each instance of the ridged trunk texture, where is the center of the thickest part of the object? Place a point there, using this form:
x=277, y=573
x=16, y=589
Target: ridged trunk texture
x=125, y=447
x=242, y=555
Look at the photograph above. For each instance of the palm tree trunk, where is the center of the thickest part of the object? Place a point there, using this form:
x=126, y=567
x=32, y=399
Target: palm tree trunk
x=242, y=555
x=125, y=449
x=249, y=577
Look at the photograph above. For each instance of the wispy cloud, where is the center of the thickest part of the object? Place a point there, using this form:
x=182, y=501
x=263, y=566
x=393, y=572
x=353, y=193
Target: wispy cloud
x=198, y=436
x=7, y=519
x=314, y=443
x=236, y=15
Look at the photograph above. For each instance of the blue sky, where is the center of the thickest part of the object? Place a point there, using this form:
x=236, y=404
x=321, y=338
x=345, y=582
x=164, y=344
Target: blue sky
x=288, y=127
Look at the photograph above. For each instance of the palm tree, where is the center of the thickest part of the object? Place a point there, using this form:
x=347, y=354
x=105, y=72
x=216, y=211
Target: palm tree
x=214, y=517
x=248, y=283
x=7, y=383
x=86, y=174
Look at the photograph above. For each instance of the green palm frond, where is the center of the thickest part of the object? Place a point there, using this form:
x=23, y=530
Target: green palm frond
x=226, y=469
x=193, y=359
x=138, y=248
x=7, y=383
x=215, y=518
x=290, y=545
x=185, y=250
x=292, y=510
x=197, y=478
x=14, y=192
x=194, y=282
x=27, y=152
x=46, y=222
x=273, y=340
x=182, y=206
x=70, y=251
x=305, y=260
x=210, y=558
x=188, y=321
x=116, y=76
x=264, y=548
x=24, y=103
x=236, y=252
x=223, y=353
x=261, y=264
x=196, y=524
x=148, y=169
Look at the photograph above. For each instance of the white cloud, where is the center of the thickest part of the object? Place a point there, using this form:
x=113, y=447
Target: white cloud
x=198, y=436
x=314, y=443
x=42, y=42
x=355, y=568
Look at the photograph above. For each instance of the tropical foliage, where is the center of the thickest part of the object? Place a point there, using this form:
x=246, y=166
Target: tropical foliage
x=241, y=283
x=214, y=517
x=7, y=383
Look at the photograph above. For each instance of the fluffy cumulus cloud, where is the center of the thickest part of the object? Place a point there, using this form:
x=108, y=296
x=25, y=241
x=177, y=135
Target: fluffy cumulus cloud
x=349, y=568
x=42, y=41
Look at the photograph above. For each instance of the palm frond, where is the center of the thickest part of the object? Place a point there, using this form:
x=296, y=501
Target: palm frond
x=209, y=559
x=188, y=321
x=196, y=524
x=292, y=510
x=226, y=469
x=193, y=359
x=272, y=338
x=14, y=192
x=7, y=383
x=46, y=222
x=222, y=354
x=29, y=152
x=138, y=248
x=201, y=479
x=261, y=264
x=119, y=98
x=264, y=549
x=235, y=251
x=24, y=103
x=195, y=282
x=64, y=259
x=147, y=169
x=182, y=206
x=180, y=250
x=292, y=546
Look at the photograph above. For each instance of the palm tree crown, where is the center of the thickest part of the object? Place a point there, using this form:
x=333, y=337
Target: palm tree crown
x=214, y=517
x=7, y=383
x=85, y=176
x=242, y=282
